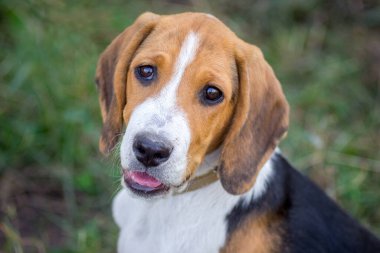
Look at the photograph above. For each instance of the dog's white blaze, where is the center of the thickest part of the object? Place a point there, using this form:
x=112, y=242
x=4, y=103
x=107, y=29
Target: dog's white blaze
x=186, y=56
x=162, y=115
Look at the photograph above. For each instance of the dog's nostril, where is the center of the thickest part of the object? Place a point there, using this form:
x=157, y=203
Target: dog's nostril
x=158, y=156
x=141, y=149
x=162, y=154
x=151, y=150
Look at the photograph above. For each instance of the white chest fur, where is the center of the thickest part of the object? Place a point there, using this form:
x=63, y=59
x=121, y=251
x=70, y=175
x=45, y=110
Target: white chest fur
x=191, y=222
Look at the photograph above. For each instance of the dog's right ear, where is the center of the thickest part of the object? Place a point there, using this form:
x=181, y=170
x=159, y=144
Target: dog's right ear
x=111, y=77
x=260, y=121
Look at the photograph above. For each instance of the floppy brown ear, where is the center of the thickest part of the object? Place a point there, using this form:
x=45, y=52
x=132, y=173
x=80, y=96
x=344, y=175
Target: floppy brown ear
x=260, y=120
x=111, y=77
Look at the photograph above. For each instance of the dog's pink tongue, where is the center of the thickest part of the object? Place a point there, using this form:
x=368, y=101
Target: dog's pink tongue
x=144, y=179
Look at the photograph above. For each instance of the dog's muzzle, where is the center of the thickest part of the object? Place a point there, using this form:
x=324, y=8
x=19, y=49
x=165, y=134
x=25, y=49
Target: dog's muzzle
x=151, y=151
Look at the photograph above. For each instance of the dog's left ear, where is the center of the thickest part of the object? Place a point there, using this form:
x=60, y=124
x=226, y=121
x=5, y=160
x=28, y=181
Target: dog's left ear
x=111, y=77
x=260, y=120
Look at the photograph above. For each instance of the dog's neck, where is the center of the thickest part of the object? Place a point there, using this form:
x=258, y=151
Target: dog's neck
x=207, y=174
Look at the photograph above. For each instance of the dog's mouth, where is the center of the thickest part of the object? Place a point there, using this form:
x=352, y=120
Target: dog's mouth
x=142, y=183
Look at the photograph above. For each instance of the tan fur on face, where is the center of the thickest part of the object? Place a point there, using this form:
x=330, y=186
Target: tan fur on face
x=249, y=121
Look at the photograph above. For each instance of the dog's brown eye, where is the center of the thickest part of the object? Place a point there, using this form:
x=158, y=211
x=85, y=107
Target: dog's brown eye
x=211, y=95
x=145, y=73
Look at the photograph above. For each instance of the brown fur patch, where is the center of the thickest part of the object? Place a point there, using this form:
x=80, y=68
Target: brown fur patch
x=257, y=234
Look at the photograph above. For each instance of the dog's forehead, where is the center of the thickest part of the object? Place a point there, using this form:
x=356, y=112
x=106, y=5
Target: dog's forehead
x=196, y=21
x=171, y=31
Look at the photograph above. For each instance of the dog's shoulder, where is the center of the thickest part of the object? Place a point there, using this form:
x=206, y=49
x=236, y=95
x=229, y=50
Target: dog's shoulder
x=294, y=215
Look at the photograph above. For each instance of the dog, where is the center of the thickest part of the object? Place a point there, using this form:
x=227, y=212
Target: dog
x=200, y=114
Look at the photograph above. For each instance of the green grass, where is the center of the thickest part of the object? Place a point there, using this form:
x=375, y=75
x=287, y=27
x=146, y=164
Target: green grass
x=325, y=55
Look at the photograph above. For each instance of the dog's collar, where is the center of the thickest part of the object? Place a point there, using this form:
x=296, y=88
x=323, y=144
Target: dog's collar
x=201, y=181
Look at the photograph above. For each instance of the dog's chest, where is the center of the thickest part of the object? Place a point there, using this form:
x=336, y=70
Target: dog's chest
x=191, y=222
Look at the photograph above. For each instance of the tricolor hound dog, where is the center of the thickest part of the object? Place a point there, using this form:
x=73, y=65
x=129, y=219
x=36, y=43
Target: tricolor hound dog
x=200, y=113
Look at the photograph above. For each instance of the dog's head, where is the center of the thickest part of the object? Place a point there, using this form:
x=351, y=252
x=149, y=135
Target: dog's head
x=183, y=86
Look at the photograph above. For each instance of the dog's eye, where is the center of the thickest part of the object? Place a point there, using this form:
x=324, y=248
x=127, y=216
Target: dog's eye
x=145, y=73
x=211, y=95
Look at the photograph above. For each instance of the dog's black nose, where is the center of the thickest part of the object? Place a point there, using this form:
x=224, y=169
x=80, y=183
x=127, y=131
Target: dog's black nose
x=151, y=150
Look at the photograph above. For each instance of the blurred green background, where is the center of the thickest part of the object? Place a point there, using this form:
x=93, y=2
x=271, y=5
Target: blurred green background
x=56, y=189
